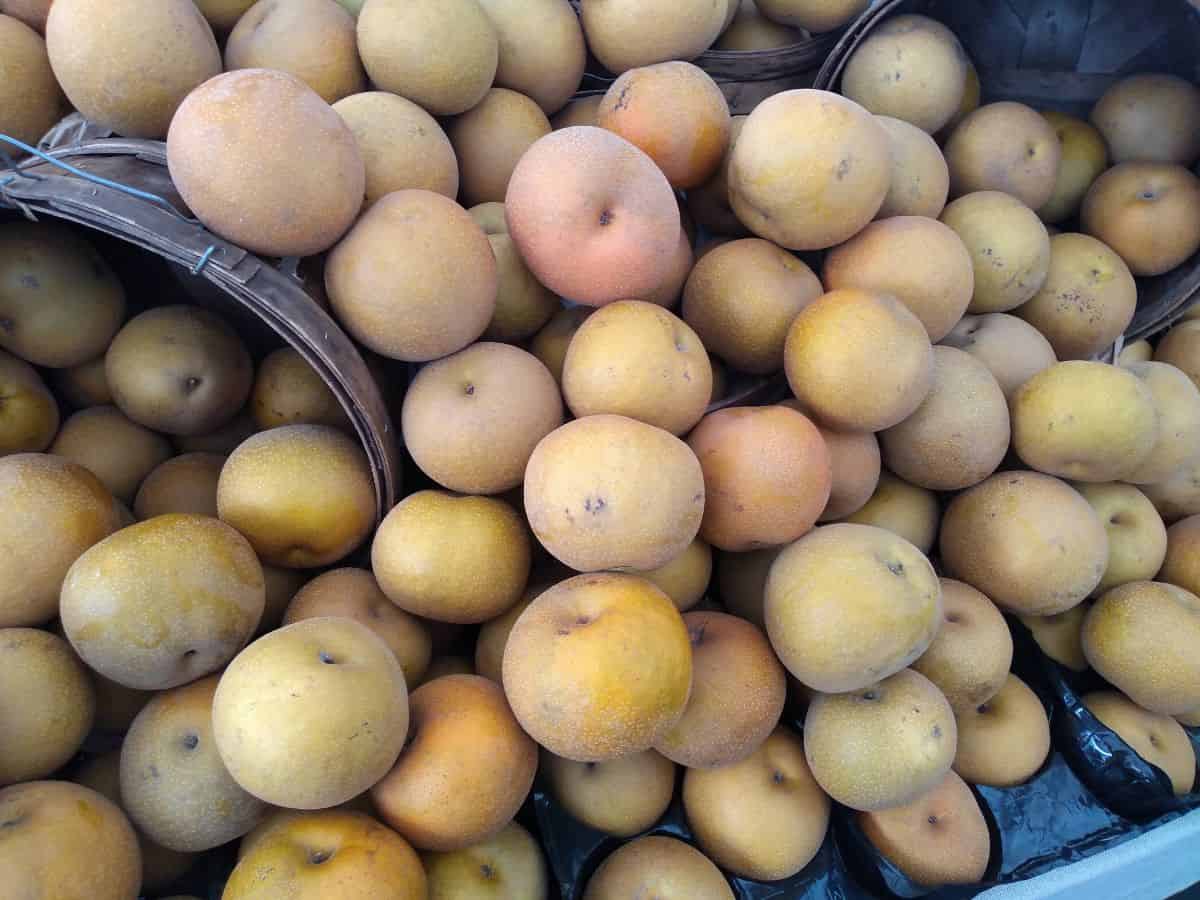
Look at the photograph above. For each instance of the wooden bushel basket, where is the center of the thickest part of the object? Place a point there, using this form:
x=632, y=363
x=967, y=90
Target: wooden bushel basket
x=121, y=188
x=1063, y=54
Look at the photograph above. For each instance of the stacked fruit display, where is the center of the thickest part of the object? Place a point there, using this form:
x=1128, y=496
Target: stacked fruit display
x=192, y=573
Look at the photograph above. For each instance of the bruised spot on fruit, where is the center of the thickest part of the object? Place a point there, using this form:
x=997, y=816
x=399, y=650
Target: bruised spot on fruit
x=316, y=857
x=487, y=871
x=843, y=168
x=937, y=732
x=1153, y=740
x=952, y=617
x=870, y=695
x=469, y=389
x=1147, y=194
x=933, y=820
x=191, y=383
x=606, y=217
x=594, y=505
x=188, y=654
x=326, y=658
x=777, y=777
x=191, y=741
x=13, y=823
x=696, y=634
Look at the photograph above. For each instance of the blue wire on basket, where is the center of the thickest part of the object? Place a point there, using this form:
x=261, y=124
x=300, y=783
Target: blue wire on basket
x=80, y=173
x=94, y=179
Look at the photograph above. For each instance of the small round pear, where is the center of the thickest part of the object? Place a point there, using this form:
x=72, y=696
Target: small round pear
x=1177, y=403
x=1087, y=300
x=1143, y=638
x=959, y=434
x=599, y=666
x=174, y=785
x=919, y=261
x=179, y=369
x=607, y=492
x=1085, y=420
x=1158, y=739
x=465, y=771
x=883, y=745
x=327, y=854
x=66, y=840
x=847, y=605
x=1003, y=741
x=68, y=510
x=938, y=839
x=622, y=797
x=1012, y=349
x=301, y=494
x=446, y=299
x=972, y=653
x=48, y=701
x=450, y=557
x=1028, y=541
x=910, y=67
x=1150, y=117
x=813, y=193
x=658, y=866
x=472, y=420
x=1009, y=247
x=764, y=817
x=1149, y=213
x=1005, y=147
x=738, y=692
x=163, y=602
x=767, y=475
x=311, y=715
x=873, y=375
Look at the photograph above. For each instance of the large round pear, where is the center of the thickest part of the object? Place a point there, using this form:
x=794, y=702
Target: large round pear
x=267, y=164
x=598, y=667
x=609, y=492
x=809, y=169
x=128, y=64
x=1028, y=541
x=163, y=602
x=849, y=604
x=311, y=715
x=592, y=215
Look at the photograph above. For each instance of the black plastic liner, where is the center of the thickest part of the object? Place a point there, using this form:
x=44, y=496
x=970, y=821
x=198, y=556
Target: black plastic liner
x=575, y=851
x=1112, y=771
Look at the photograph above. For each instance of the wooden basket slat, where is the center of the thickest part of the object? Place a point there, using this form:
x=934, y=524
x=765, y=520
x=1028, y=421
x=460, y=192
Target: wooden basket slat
x=246, y=281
